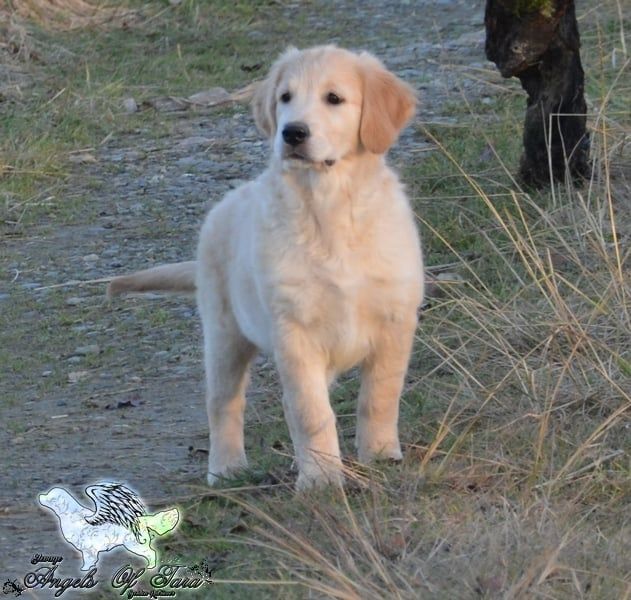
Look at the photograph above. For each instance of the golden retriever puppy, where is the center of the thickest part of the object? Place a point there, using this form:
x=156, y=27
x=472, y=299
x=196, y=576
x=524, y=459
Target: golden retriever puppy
x=317, y=263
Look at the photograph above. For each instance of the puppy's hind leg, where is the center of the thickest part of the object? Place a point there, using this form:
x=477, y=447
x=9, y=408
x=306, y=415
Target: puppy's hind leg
x=227, y=355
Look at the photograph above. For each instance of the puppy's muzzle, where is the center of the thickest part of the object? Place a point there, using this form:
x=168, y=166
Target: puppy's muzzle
x=295, y=133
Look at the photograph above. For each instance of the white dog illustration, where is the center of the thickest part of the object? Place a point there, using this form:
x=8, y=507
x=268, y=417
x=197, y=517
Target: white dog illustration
x=120, y=519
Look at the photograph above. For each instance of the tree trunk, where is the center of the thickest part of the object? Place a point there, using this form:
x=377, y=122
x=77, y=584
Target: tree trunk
x=538, y=42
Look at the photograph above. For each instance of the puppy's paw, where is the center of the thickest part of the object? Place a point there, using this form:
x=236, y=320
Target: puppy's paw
x=319, y=476
x=379, y=450
x=220, y=472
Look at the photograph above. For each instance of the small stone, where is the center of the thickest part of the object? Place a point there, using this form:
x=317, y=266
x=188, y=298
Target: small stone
x=193, y=141
x=186, y=161
x=75, y=376
x=91, y=257
x=89, y=349
x=130, y=105
x=75, y=301
x=73, y=360
x=46, y=373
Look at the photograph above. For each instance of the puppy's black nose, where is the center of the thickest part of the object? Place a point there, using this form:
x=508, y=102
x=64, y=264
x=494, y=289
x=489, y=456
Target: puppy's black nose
x=295, y=133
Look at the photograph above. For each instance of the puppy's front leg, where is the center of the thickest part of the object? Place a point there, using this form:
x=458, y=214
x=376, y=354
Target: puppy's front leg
x=227, y=357
x=311, y=421
x=383, y=374
x=227, y=378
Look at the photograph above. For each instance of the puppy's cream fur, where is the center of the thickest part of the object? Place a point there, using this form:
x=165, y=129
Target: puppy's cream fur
x=317, y=262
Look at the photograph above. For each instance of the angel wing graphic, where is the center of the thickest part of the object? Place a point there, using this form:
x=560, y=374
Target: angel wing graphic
x=118, y=505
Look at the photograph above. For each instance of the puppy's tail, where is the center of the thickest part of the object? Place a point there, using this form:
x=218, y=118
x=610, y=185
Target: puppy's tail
x=176, y=277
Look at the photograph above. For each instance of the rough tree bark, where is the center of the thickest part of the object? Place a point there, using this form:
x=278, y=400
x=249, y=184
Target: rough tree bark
x=538, y=42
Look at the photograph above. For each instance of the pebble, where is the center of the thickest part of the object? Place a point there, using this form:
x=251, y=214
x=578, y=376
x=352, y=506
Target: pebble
x=89, y=349
x=193, y=141
x=135, y=155
x=75, y=376
x=75, y=301
x=91, y=257
x=113, y=250
x=130, y=105
x=187, y=161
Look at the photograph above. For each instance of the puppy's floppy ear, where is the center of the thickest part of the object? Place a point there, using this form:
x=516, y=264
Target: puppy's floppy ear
x=388, y=104
x=264, y=99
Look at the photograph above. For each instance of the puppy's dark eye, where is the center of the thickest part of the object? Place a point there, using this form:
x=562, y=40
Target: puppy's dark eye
x=286, y=97
x=333, y=98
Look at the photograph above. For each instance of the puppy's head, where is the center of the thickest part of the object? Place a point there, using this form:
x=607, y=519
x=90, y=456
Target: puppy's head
x=324, y=104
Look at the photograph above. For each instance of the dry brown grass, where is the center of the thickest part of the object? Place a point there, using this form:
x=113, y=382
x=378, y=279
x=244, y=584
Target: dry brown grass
x=66, y=14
